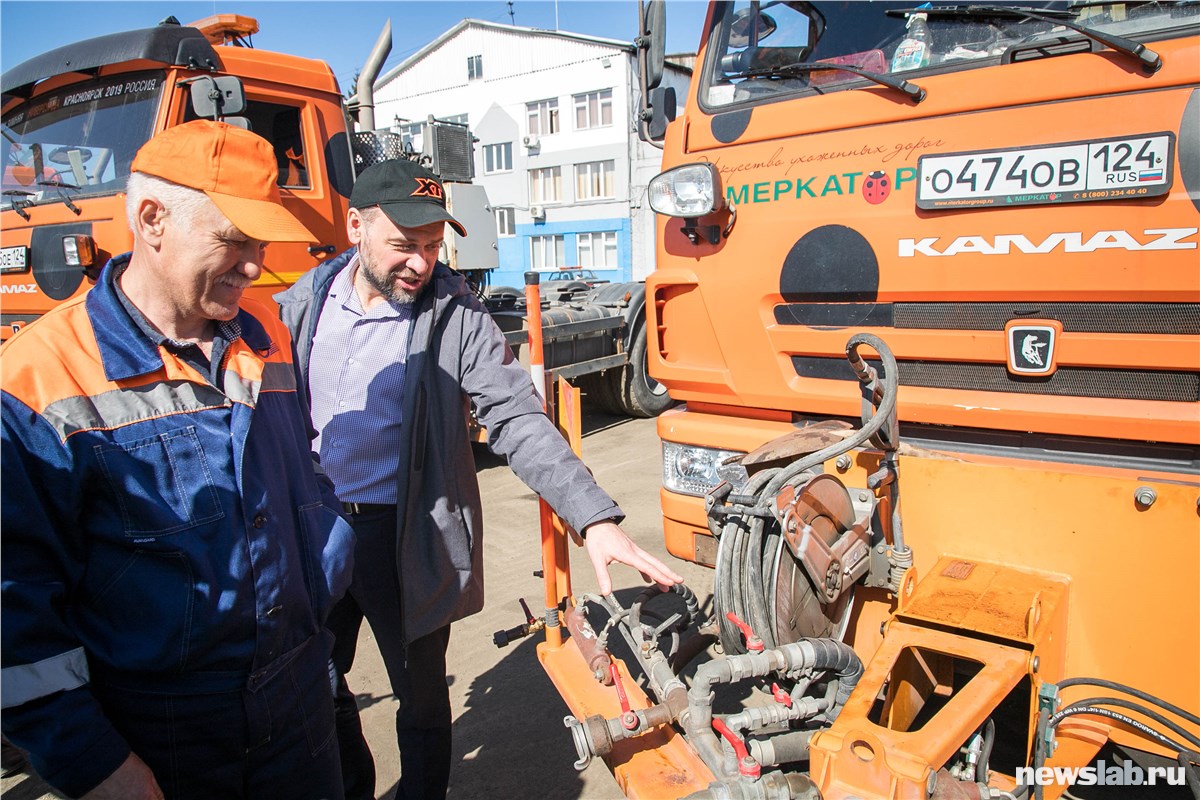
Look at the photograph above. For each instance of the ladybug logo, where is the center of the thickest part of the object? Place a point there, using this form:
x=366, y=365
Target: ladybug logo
x=877, y=187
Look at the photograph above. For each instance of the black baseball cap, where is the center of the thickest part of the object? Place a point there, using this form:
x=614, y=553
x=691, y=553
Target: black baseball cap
x=408, y=193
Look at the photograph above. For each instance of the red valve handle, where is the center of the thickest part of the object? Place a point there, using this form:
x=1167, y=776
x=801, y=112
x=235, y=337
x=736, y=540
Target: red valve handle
x=753, y=643
x=747, y=766
x=629, y=720
x=780, y=695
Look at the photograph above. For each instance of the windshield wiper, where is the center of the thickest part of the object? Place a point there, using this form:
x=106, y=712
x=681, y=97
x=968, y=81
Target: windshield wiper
x=1151, y=61
x=66, y=201
x=16, y=198
x=913, y=91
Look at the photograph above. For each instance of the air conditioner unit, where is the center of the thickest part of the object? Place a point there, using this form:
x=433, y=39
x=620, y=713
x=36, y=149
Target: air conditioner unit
x=537, y=212
x=531, y=141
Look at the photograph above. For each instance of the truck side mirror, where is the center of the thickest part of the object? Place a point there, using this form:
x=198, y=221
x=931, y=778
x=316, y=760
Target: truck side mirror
x=662, y=111
x=651, y=53
x=654, y=31
x=216, y=97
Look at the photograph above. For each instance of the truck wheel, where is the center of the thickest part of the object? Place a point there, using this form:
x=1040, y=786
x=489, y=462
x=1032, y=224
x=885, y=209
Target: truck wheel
x=598, y=386
x=641, y=395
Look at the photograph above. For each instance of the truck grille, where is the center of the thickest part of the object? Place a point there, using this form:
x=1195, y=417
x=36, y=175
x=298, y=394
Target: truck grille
x=1143, y=318
x=1117, y=384
x=1165, y=318
x=1172, y=319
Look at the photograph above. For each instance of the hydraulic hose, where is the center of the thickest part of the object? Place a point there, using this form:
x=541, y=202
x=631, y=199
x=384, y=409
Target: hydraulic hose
x=740, y=584
x=985, y=753
x=749, y=542
x=1118, y=702
x=884, y=412
x=673, y=625
x=1095, y=707
x=1138, y=693
x=1130, y=721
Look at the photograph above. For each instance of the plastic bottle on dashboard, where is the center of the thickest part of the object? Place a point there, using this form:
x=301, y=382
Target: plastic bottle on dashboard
x=914, y=50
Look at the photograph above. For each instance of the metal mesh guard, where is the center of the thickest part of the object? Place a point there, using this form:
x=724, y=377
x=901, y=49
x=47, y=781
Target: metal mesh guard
x=372, y=147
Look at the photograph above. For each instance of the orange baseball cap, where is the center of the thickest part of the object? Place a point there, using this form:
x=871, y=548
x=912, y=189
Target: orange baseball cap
x=234, y=167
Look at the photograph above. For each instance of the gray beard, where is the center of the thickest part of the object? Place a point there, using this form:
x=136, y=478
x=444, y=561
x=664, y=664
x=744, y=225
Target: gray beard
x=386, y=287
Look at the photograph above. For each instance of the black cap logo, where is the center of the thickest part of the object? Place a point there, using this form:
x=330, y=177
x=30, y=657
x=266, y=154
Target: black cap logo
x=428, y=187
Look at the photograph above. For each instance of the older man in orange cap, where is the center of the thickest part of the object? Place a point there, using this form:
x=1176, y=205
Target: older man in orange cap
x=169, y=552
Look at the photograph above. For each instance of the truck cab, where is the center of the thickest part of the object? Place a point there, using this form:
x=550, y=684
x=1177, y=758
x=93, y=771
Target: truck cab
x=74, y=118
x=927, y=288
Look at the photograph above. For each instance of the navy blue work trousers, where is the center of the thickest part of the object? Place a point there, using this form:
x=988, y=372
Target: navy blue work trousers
x=417, y=671
x=275, y=741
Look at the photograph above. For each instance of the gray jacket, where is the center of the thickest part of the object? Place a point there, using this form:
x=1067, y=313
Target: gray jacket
x=458, y=358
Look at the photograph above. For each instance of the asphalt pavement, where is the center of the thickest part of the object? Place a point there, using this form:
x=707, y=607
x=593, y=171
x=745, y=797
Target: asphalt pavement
x=509, y=739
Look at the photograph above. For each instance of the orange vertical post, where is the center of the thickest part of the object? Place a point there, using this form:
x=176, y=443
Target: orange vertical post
x=568, y=421
x=537, y=370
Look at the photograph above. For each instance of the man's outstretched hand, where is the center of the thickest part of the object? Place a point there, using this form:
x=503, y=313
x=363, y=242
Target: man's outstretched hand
x=606, y=543
x=133, y=780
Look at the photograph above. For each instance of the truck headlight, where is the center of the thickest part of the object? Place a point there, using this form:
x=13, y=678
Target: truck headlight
x=692, y=470
x=692, y=190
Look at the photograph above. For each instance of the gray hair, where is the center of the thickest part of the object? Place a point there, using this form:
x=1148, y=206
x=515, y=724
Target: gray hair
x=182, y=202
x=369, y=214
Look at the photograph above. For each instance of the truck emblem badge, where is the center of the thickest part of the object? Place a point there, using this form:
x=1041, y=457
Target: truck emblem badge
x=1031, y=346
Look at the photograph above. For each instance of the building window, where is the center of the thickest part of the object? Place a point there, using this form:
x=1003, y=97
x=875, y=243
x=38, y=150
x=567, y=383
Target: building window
x=547, y=252
x=497, y=158
x=595, y=180
x=506, y=222
x=598, y=250
x=593, y=110
x=542, y=117
x=545, y=185
x=474, y=67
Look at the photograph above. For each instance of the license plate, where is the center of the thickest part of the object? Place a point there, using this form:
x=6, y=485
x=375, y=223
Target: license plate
x=1073, y=172
x=14, y=259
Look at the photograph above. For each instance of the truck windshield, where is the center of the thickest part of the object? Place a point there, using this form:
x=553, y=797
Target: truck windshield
x=758, y=49
x=78, y=140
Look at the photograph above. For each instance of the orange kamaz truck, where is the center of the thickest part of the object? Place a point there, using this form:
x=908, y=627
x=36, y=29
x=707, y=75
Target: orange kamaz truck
x=74, y=118
x=928, y=287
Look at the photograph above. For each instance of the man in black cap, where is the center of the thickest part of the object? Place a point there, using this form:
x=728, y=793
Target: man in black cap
x=394, y=347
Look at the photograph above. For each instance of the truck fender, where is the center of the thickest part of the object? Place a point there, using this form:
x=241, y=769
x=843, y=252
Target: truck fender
x=632, y=310
x=631, y=388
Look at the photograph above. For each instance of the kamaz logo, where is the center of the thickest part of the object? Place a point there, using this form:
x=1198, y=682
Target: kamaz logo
x=19, y=288
x=1006, y=243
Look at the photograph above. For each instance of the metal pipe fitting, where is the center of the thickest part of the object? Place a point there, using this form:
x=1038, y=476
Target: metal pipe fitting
x=757, y=717
x=772, y=786
x=594, y=655
x=806, y=655
x=780, y=748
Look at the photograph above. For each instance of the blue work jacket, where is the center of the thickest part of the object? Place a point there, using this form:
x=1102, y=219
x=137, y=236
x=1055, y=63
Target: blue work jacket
x=161, y=530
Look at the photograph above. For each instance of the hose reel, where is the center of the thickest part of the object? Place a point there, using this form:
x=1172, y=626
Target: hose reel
x=791, y=545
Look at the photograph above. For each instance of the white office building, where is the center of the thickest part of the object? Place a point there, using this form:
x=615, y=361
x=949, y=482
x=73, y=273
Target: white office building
x=555, y=115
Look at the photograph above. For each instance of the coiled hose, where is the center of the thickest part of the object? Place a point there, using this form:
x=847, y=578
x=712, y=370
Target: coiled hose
x=750, y=542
